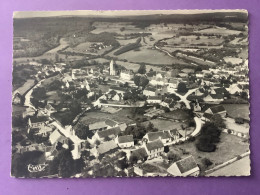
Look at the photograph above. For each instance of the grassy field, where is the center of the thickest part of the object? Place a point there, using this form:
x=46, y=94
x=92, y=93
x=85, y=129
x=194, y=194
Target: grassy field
x=177, y=114
x=229, y=147
x=237, y=110
x=120, y=116
x=84, y=48
x=192, y=40
x=165, y=124
x=150, y=56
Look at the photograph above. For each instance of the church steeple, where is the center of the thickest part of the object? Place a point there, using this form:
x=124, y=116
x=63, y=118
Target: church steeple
x=112, y=68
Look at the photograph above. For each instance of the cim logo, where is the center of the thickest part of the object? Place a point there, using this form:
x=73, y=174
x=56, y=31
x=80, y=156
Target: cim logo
x=36, y=168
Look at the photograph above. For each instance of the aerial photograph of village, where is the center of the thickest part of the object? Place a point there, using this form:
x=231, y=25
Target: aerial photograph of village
x=130, y=93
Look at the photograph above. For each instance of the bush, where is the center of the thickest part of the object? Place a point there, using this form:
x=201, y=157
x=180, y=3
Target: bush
x=206, y=162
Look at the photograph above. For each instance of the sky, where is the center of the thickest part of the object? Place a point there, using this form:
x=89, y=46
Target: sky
x=29, y=14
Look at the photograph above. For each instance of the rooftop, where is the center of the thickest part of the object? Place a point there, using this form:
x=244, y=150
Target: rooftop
x=105, y=133
x=125, y=139
x=154, y=145
x=106, y=147
x=217, y=109
x=156, y=135
x=186, y=164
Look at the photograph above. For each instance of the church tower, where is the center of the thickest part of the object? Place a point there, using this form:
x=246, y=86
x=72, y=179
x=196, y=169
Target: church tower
x=112, y=68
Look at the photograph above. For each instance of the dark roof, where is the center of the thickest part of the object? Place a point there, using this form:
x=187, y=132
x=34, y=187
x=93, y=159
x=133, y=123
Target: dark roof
x=220, y=90
x=39, y=119
x=207, y=115
x=154, y=145
x=156, y=135
x=186, y=164
x=217, y=109
x=111, y=123
x=125, y=139
x=154, y=98
x=150, y=89
x=105, y=133
x=217, y=96
x=106, y=147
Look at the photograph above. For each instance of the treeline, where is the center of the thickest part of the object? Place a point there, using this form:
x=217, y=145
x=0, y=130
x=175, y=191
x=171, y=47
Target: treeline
x=129, y=47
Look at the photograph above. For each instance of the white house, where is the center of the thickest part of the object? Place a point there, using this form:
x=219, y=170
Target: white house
x=154, y=100
x=217, y=110
x=126, y=75
x=184, y=167
x=149, y=91
x=154, y=148
x=164, y=136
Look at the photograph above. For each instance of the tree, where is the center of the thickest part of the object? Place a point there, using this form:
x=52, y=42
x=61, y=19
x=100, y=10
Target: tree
x=218, y=121
x=142, y=69
x=66, y=164
x=182, y=88
x=209, y=136
x=122, y=29
x=206, y=162
x=82, y=131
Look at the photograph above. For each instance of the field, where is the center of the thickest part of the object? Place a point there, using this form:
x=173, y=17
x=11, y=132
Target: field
x=229, y=147
x=85, y=48
x=162, y=125
x=151, y=56
x=237, y=110
x=185, y=41
x=92, y=117
x=240, y=167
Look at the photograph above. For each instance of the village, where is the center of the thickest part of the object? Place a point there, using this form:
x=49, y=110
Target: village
x=153, y=101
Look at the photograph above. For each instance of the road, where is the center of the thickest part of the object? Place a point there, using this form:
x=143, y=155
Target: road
x=184, y=97
x=66, y=132
x=27, y=101
x=198, y=126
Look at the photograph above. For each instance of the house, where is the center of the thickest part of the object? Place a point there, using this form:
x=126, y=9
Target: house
x=117, y=97
x=102, y=125
x=154, y=100
x=235, y=88
x=17, y=98
x=127, y=75
x=184, y=167
x=37, y=121
x=125, y=141
x=164, y=136
x=106, y=147
x=206, y=117
x=55, y=136
x=174, y=134
x=154, y=148
x=108, y=133
x=217, y=110
x=172, y=84
x=150, y=91
x=214, y=98
x=167, y=102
